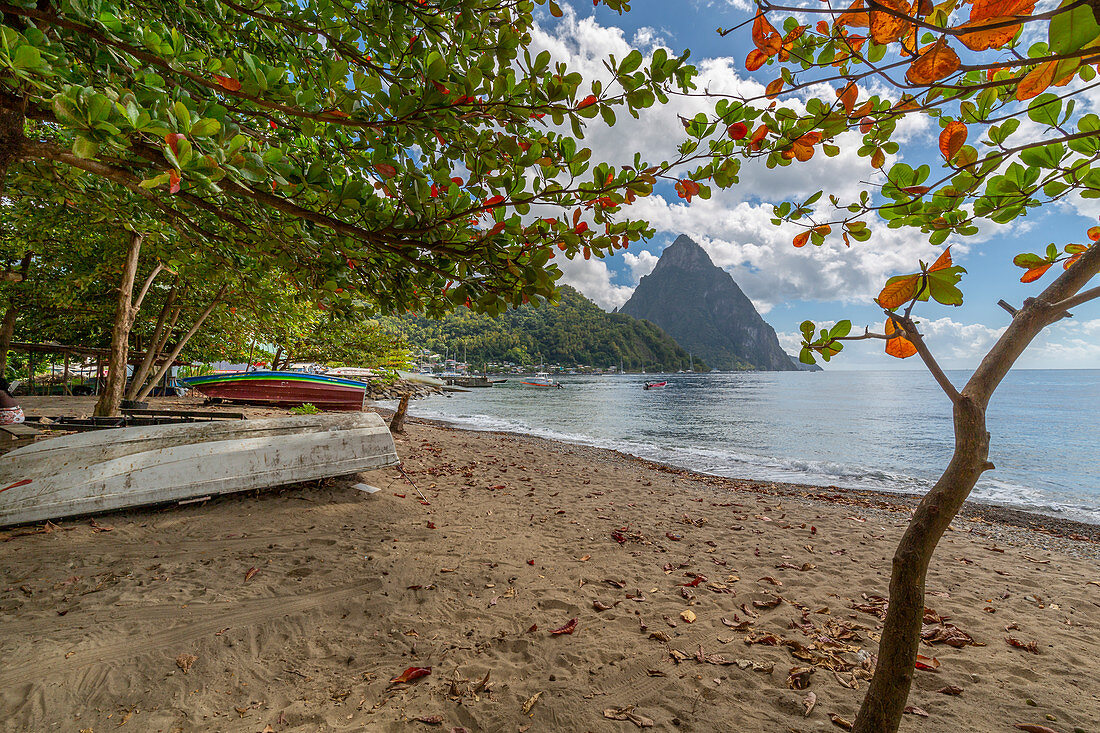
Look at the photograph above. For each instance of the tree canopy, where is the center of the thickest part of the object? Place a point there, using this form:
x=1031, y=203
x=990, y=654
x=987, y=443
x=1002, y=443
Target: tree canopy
x=388, y=149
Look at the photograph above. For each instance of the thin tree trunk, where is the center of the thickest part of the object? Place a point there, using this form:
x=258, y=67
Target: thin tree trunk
x=153, y=349
x=111, y=398
x=397, y=423
x=275, y=359
x=887, y=694
x=171, y=358
x=7, y=332
x=65, y=377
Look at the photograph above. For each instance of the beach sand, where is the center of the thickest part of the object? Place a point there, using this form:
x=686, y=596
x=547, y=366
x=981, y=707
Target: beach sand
x=293, y=609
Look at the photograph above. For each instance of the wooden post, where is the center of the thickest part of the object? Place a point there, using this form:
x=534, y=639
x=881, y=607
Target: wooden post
x=30, y=373
x=98, y=372
x=397, y=423
x=7, y=332
x=65, y=377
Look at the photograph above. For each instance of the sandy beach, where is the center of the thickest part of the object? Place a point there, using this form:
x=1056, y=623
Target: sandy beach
x=700, y=604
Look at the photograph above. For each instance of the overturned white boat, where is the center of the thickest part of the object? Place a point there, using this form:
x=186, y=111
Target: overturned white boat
x=126, y=467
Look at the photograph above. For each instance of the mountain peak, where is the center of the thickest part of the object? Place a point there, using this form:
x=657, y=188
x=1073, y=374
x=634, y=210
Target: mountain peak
x=685, y=253
x=699, y=305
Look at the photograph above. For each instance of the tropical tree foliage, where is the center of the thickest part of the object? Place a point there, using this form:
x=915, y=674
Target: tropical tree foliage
x=389, y=149
x=1001, y=80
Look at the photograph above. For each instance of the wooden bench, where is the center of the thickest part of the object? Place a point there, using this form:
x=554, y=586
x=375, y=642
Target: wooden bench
x=16, y=436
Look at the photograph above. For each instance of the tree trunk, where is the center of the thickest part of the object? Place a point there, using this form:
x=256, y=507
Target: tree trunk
x=111, y=398
x=889, y=690
x=884, y=703
x=171, y=358
x=7, y=332
x=156, y=344
x=397, y=424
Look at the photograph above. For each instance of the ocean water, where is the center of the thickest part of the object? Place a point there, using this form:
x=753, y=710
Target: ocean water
x=888, y=431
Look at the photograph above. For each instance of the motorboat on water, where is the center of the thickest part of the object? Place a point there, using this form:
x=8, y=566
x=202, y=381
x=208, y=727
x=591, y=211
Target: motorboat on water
x=282, y=389
x=542, y=379
x=117, y=468
x=655, y=385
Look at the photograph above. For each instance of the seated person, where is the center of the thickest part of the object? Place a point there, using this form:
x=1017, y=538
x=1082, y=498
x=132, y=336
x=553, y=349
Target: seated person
x=10, y=412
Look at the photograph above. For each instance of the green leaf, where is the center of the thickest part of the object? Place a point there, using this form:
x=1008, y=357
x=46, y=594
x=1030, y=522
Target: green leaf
x=85, y=148
x=1073, y=30
x=206, y=127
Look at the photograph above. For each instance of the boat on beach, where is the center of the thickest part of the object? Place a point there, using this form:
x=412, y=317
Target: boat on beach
x=282, y=389
x=104, y=470
x=542, y=379
x=655, y=385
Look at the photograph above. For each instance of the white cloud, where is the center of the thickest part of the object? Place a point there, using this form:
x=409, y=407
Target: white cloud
x=593, y=278
x=734, y=225
x=640, y=264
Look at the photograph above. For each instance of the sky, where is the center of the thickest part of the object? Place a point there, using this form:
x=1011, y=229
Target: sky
x=787, y=285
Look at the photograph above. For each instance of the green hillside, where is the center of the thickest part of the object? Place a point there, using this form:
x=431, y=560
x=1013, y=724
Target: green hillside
x=574, y=332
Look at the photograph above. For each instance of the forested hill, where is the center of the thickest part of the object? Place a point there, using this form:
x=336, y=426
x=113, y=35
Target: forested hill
x=574, y=332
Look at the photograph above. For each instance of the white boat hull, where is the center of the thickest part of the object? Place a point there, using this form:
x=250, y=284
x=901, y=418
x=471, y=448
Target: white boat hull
x=119, y=468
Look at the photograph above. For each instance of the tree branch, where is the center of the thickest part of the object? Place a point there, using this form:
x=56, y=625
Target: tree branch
x=906, y=324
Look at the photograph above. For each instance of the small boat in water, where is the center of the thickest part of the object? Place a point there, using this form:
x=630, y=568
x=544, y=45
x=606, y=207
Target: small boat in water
x=117, y=468
x=282, y=389
x=542, y=379
x=655, y=385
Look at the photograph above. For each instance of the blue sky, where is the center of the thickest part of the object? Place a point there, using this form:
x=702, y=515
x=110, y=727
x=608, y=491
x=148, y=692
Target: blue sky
x=788, y=285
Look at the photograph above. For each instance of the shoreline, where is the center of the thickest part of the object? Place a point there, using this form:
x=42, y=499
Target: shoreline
x=1031, y=520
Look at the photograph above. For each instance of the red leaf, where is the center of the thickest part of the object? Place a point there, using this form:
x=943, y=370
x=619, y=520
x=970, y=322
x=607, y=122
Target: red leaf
x=173, y=181
x=173, y=138
x=226, y=82
x=494, y=200
x=533, y=629
x=1033, y=728
x=581, y=228
x=251, y=572
x=587, y=101
x=410, y=674
x=801, y=238
x=738, y=130
x=569, y=628
x=272, y=124
x=385, y=170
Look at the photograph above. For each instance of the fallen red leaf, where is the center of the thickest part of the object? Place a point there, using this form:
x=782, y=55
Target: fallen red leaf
x=410, y=674
x=930, y=664
x=569, y=628
x=250, y=573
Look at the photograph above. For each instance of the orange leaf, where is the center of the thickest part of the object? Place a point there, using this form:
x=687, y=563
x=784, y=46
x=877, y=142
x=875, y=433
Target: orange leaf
x=878, y=158
x=758, y=136
x=227, y=83
x=952, y=139
x=802, y=147
x=916, y=190
x=855, y=16
x=936, y=62
x=587, y=101
x=983, y=40
x=898, y=293
x=173, y=181
x=942, y=262
x=848, y=96
x=773, y=89
x=886, y=27
x=410, y=674
x=737, y=130
x=755, y=59
x=765, y=36
x=1036, y=81
x=801, y=239
x=902, y=348
x=1034, y=273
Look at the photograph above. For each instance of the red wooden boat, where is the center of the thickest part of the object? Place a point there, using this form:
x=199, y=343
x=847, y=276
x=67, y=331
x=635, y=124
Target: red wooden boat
x=282, y=389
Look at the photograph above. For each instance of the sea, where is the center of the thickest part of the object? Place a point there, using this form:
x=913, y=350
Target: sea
x=880, y=430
